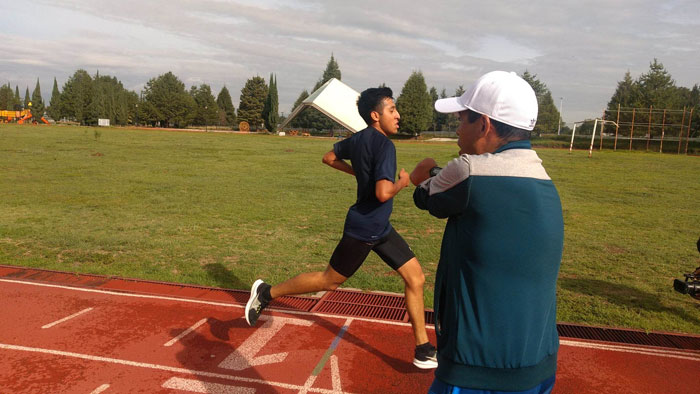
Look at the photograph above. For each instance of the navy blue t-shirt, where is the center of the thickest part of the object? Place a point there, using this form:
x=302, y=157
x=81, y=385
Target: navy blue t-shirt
x=373, y=158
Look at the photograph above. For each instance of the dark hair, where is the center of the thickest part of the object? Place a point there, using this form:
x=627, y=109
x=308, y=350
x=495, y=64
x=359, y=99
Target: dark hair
x=372, y=99
x=506, y=132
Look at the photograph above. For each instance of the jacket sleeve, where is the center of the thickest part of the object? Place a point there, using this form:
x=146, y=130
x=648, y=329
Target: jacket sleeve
x=447, y=193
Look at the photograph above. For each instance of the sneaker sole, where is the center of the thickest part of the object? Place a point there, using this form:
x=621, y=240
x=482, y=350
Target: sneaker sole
x=428, y=364
x=253, y=295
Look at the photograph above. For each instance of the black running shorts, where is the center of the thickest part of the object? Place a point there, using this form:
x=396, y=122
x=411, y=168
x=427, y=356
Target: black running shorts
x=350, y=253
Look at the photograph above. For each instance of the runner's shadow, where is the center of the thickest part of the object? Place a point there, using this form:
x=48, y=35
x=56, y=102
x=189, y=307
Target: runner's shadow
x=223, y=277
x=202, y=354
x=220, y=329
x=401, y=365
x=625, y=296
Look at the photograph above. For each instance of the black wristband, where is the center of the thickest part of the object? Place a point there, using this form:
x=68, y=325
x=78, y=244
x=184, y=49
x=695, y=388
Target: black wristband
x=435, y=170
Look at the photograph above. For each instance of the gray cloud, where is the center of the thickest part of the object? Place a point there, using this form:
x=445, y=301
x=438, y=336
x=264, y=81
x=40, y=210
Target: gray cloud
x=580, y=50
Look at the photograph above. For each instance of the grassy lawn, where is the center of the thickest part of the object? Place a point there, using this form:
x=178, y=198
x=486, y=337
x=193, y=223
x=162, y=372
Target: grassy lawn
x=223, y=209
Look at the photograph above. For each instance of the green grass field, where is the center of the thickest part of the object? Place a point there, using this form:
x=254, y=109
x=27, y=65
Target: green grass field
x=223, y=209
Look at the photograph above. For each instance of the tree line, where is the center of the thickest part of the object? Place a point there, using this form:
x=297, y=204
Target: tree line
x=654, y=103
x=166, y=102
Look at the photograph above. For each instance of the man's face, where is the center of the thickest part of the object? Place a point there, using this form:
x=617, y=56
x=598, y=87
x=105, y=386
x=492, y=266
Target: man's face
x=469, y=134
x=389, y=117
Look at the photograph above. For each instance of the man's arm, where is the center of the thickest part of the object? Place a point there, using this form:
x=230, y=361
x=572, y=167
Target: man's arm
x=422, y=171
x=447, y=193
x=385, y=189
x=339, y=164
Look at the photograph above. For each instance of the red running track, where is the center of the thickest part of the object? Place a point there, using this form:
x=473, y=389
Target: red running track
x=71, y=339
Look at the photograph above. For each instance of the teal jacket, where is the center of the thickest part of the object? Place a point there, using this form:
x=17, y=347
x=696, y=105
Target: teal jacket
x=495, y=288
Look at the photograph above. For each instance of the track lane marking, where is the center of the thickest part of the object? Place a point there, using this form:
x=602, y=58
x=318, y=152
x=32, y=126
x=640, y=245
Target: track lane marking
x=185, y=333
x=632, y=349
x=186, y=300
x=197, y=386
x=324, y=359
x=100, y=389
x=158, y=367
x=86, y=310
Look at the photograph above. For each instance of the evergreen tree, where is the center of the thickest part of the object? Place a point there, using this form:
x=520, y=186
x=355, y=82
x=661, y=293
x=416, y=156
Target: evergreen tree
x=439, y=119
x=302, y=119
x=694, y=102
x=38, y=106
x=311, y=118
x=415, y=105
x=271, y=109
x=18, y=99
x=547, y=114
x=332, y=71
x=227, y=115
x=452, y=120
x=207, y=110
x=252, y=102
x=77, y=97
x=27, y=100
x=54, y=109
x=656, y=87
x=168, y=103
x=626, y=94
x=7, y=97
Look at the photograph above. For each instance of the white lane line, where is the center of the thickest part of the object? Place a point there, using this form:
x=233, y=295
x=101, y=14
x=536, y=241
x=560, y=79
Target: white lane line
x=195, y=386
x=166, y=368
x=636, y=350
x=335, y=374
x=100, y=389
x=185, y=300
x=184, y=333
x=322, y=363
x=86, y=310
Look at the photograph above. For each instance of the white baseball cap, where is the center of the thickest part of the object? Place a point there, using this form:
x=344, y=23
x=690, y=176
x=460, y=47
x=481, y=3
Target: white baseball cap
x=500, y=95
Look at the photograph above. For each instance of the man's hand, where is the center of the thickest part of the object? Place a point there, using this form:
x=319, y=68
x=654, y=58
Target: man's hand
x=385, y=189
x=403, y=179
x=422, y=171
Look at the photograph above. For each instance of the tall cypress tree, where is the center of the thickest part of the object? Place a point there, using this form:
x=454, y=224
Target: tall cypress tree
x=54, y=109
x=18, y=99
x=37, y=102
x=271, y=110
x=26, y=98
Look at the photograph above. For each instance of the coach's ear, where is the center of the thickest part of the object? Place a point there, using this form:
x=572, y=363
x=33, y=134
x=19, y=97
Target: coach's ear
x=485, y=126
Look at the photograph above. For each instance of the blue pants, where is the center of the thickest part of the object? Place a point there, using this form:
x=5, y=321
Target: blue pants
x=439, y=387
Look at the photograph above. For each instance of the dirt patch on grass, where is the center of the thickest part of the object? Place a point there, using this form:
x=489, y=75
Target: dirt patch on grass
x=615, y=249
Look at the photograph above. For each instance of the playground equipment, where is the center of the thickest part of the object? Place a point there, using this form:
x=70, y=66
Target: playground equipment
x=19, y=116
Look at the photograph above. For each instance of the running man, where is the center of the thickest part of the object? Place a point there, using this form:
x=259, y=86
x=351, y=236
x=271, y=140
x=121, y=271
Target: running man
x=367, y=227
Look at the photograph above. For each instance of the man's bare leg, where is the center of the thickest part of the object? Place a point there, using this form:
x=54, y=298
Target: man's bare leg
x=309, y=282
x=413, y=276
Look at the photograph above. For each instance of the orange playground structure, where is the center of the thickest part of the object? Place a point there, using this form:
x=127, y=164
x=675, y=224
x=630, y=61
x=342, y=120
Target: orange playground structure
x=19, y=116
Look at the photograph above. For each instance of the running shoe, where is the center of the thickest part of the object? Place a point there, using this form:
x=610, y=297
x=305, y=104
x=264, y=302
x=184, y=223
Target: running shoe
x=425, y=356
x=255, y=304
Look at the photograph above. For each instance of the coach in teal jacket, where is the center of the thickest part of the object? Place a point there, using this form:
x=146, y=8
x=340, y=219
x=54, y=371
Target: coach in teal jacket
x=495, y=288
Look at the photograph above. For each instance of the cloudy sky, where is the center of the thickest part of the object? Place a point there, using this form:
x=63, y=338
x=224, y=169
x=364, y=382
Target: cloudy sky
x=579, y=49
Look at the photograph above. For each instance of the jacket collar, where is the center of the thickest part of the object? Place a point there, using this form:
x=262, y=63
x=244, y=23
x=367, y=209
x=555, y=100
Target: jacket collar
x=522, y=144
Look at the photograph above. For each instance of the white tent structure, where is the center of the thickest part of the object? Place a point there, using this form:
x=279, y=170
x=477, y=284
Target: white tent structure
x=336, y=100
